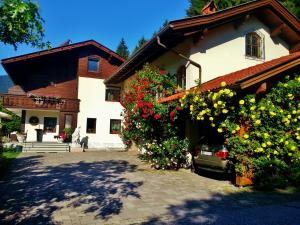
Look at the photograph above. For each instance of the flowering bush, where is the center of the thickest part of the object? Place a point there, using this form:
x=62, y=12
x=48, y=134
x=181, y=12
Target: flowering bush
x=263, y=132
x=150, y=124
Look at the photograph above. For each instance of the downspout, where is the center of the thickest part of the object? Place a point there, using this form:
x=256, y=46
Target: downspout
x=182, y=56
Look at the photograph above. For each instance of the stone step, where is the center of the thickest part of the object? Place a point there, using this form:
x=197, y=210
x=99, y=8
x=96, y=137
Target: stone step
x=46, y=147
x=45, y=150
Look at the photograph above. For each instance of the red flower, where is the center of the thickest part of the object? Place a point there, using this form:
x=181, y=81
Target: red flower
x=157, y=116
x=172, y=115
x=174, y=146
x=140, y=105
x=178, y=108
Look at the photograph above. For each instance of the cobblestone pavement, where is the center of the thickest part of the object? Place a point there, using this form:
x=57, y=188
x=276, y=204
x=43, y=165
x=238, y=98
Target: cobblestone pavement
x=117, y=188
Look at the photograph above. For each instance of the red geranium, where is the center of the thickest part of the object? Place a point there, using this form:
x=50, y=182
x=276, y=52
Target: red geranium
x=172, y=115
x=157, y=116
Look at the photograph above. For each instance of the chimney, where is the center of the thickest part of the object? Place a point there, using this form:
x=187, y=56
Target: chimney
x=209, y=8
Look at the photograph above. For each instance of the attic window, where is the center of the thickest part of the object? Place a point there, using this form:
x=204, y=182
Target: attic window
x=254, y=45
x=93, y=64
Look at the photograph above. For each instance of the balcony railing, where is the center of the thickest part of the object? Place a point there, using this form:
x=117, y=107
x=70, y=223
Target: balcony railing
x=25, y=102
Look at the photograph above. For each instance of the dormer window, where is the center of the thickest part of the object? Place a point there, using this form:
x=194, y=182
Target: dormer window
x=254, y=45
x=181, y=78
x=93, y=65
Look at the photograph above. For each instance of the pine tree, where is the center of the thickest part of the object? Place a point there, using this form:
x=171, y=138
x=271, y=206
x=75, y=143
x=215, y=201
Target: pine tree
x=140, y=43
x=196, y=6
x=122, y=49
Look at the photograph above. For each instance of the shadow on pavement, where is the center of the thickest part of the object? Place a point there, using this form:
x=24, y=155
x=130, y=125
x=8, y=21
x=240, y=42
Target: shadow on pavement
x=244, y=208
x=33, y=193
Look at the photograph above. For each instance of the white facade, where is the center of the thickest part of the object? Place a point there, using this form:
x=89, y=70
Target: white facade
x=30, y=129
x=222, y=51
x=91, y=93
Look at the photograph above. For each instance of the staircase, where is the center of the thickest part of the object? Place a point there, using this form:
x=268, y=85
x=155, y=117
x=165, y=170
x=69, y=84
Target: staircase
x=45, y=147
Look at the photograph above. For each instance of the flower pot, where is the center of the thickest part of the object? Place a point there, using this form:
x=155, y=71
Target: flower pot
x=242, y=181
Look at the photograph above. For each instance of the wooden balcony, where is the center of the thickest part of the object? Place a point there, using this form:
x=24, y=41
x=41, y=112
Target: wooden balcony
x=25, y=102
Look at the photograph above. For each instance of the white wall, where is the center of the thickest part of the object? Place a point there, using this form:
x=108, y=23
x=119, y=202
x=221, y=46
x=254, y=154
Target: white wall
x=30, y=129
x=222, y=51
x=91, y=93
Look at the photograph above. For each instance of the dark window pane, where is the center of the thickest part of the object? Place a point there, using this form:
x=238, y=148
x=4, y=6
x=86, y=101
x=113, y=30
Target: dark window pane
x=93, y=65
x=91, y=125
x=50, y=124
x=115, y=126
x=181, y=77
x=112, y=94
x=253, y=45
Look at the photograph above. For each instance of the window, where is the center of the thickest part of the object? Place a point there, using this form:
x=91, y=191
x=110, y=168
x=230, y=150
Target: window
x=254, y=45
x=93, y=65
x=50, y=124
x=181, y=78
x=115, y=126
x=68, y=121
x=91, y=125
x=112, y=94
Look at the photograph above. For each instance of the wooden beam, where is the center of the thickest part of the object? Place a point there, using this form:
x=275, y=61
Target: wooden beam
x=199, y=36
x=262, y=88
x=295, y=48
x=278, y=30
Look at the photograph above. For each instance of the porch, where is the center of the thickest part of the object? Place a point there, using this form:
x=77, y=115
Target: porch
x=49, y=115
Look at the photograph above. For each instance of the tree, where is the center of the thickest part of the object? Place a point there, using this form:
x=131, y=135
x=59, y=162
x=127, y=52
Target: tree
x=166, y=22
x=21, y=23
x=122, y=49
x=196, y=6
x=140, y=43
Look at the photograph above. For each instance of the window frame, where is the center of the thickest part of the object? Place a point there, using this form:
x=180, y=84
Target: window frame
x=110, y=126
x=91, y=58
x=181, y=83
x=259, y=45
x=115, y=89
x=49, y=130
x=91, y=130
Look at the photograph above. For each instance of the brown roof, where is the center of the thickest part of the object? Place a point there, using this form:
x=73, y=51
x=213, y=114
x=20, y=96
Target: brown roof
x=270, y=12
x=63, y=48
x=238, y=77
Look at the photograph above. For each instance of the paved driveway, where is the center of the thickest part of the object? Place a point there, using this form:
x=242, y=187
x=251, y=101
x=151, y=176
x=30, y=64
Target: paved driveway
x=116, y=188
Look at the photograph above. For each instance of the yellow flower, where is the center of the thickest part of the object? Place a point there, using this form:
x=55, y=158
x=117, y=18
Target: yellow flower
x=275, y=152
x=259, y=150
x=252, y=100
x=253, y=116
x=191, y=107
x=196, y=98
x=220, y=130
x=211, y=118
x=237, y=128
x=246, y=136
x=220, y=102
x=233, y=132
x=264, y=145
x=252, y=108
x=269, y=143
x=293, y=148
x=258, y=122
x=231, y=94
x=213, y=125
x=224, y=111
x=272, y=113
x=223, y=84
x=262, y=108
x=241, y=102
x=215, y=105
x=289, y=116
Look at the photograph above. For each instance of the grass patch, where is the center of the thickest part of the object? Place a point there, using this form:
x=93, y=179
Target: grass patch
x=6, y=159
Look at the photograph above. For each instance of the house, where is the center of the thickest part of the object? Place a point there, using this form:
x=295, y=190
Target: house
x=63, y=87
x=248, y=46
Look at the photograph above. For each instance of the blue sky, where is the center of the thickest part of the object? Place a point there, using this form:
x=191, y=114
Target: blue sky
x=105, y=21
